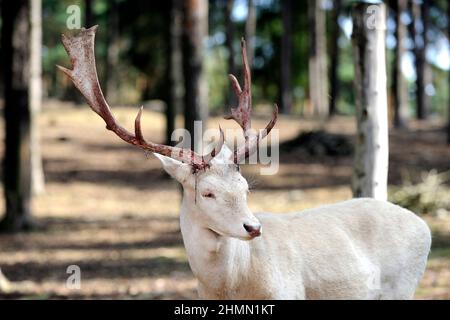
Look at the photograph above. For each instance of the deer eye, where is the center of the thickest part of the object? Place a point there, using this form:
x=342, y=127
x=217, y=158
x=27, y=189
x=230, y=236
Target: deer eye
x=208, y=195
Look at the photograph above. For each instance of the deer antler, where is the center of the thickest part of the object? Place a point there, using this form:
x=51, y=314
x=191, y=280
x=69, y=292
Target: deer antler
x=242, y=114
x=80, y=49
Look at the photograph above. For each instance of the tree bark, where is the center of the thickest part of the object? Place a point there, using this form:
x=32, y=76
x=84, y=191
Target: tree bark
x=176, y=90
x=420, y=13
x=318, y=88
x=250, y=31
x=37, y=172
x=195, y=29
x=15, y=42
x=286, y=57
x=371, y=154
x=230, y=30
x=399, y=85
x=334, y=80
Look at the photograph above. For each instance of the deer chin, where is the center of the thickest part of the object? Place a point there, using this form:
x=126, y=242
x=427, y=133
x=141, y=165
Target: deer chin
x=248, y=237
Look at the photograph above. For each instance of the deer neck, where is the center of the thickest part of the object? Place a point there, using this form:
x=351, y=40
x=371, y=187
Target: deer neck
x=220, y=263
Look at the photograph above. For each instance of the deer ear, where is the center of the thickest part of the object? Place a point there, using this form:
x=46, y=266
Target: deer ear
x=176, y=169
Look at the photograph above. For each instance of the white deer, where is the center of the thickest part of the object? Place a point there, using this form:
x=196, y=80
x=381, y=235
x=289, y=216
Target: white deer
x=357, y=249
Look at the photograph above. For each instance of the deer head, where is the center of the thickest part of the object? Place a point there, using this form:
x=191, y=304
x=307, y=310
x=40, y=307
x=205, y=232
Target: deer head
x=213, y=186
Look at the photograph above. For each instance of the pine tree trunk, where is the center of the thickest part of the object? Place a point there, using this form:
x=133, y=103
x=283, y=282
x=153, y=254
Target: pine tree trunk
x=176, y=90
x=318, y=88
x=229, y=26
x=334, y=55
x=195, y=29
x=371, y=154
x=250, y=31
x=286, y=56
x=420, y=13
x=399, y=85
x=37, y=172
x=17, y=160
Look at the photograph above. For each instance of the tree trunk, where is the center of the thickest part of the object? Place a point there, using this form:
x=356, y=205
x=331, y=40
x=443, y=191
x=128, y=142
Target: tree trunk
x=112, y=56
x=420, y=13
x=286, y=56
x=250, y=31
x=371, y=154
x=196, y=90
x=17, y=161
x=318, y=88
x=88, y=13
x=229, y=26
x=399, y=85
x=37, y=173
x=334, y=80
x=176, y=90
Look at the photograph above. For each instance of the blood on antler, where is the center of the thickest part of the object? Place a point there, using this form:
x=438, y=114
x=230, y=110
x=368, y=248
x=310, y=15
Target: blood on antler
x=80, y=49
x=242, y=113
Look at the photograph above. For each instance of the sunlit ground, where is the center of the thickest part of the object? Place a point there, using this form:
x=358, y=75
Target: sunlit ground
x=111, y=210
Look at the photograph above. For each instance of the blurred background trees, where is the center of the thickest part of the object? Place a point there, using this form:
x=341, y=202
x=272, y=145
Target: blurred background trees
x=283, y=35
x=15, y=49
x=175, y=55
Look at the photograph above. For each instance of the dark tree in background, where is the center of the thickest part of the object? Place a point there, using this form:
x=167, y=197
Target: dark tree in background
x=250, y=30
x=88, y=13
x=195, y=29
x=15, y=44
x=334, y=57
x=230, y=31
x=175, y=60
x=286, y=57
x=399, y=85
x=112, y=56
x=420, y=15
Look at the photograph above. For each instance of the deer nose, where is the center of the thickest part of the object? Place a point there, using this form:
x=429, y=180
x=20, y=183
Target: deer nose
x=254, y=230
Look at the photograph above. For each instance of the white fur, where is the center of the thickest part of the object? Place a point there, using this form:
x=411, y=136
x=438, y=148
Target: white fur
x=357, y=249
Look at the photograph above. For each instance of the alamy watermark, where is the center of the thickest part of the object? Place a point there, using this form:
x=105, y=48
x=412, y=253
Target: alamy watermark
x=73, y=282
x=73, y=20
x=375, y=17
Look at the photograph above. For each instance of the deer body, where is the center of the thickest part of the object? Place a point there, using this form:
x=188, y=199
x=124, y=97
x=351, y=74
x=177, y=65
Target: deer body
x=358, y=249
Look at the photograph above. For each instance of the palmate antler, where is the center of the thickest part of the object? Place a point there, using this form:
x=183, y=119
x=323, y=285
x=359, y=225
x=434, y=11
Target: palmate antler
x=84, y=76
x=242, y=114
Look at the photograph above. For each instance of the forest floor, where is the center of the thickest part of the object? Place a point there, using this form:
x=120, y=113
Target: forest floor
x=109, y=209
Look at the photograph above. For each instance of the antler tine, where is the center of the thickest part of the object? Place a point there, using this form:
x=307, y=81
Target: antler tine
x=242, y=114
x=80, y=49
x=137, y=127
x=247, y=73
